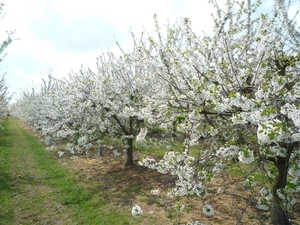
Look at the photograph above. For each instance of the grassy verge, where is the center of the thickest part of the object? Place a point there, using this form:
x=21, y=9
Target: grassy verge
x=6, y=193
x=35, y=188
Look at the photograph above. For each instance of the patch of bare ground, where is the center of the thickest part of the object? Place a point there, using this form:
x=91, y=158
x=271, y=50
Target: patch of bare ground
x=126, y=186
x=50, y=212
x=122, y=186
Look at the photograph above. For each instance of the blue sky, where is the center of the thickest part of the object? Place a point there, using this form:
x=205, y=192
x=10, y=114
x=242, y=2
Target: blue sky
x=63, y=34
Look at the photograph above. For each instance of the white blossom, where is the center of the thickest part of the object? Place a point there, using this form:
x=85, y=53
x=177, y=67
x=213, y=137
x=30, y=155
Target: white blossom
x=246, y=156
x=263, y=204
x=155, y=192
x=287, y=200
x=208, y=210
x=195, y=223
x=265, y=193
x=136, y=211
x=141, y=136
x=60, y=153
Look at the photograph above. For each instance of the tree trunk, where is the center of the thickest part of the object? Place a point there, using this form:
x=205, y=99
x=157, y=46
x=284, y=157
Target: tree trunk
x=129, y=159
x=279, y=216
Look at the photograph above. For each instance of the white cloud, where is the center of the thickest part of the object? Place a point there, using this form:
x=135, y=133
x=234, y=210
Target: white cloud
x=63, y=35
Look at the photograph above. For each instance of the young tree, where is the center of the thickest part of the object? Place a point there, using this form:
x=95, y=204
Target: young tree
x=62, y=110
x=4, y=95
x=122, y=89
x=239, y=89
x=4, y=99
x=35, y=104
x=10, y=35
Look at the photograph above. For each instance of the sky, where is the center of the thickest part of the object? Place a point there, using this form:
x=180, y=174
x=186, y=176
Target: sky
x=63, y=35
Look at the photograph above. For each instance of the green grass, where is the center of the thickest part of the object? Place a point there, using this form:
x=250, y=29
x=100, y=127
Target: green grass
x=6, y=192
x=34, y=187
x=159, y=149
x=151, y=149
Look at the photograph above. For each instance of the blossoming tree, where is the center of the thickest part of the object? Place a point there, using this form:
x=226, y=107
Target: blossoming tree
x=4, y=99
x=88, y=107
x=123, y=87
x=238, y=90
x=35, y=106
x=4, y=95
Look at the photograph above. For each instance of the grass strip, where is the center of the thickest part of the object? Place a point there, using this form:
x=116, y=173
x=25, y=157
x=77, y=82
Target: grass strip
x=6, y=191
x=34, y=186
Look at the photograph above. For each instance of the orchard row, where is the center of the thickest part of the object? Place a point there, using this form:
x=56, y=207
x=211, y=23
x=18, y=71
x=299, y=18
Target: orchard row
x=237, y=90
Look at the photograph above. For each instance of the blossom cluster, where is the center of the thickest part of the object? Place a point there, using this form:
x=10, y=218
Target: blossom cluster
x=4, y=100
x=141, y=136
x=180, y=165
x=287, y=200
x=136, y=211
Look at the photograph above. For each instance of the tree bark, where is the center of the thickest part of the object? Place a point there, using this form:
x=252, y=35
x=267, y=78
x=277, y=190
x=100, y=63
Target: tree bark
x=279, y=216
x=129, y=158
x=129, y=161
